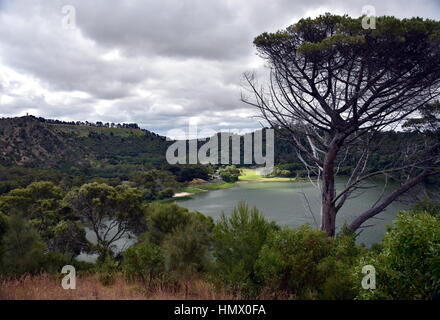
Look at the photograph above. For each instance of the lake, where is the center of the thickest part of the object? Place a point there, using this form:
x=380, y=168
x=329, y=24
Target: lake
x=285, y=203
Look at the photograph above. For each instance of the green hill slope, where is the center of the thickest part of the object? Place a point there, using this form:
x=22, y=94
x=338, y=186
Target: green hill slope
x=36, y=142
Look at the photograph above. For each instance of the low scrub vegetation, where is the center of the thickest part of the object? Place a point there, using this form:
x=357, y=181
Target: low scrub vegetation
x=184, y=254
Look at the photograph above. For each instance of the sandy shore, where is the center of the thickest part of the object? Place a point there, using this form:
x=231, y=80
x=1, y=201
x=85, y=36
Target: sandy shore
x=182, y=194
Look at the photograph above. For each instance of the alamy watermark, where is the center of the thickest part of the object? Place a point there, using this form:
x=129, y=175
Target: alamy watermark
x=187, y=150
x=68, y=21
x=369, y=17
x=69, y=281
x=369, y=280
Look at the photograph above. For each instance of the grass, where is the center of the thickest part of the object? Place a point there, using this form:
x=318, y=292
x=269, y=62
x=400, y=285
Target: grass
x=253, y=175
x=207, y=187
x=83, y=131
x=247, y=175
x=88, y=287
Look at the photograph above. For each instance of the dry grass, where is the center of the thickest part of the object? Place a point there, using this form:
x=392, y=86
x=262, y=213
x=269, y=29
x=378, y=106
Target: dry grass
x=48, y=287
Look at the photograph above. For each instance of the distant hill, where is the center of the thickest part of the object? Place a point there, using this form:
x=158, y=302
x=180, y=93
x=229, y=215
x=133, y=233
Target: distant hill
x=109, y=149
x=42, y=143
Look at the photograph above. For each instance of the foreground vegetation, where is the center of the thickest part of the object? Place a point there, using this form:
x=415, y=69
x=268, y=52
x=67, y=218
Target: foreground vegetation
x=183, y=254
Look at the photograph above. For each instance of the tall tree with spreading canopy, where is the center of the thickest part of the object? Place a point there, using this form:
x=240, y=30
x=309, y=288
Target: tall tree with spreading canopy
x=111, y=213
x=336, y=87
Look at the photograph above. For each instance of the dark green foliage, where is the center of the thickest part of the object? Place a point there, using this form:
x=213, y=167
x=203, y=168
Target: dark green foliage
x=3, y=229
x=107, y=270
x=14, y=177
x=408, y=266
x=230, y=174
x=288, y=170
x=110, y=212
x=156, y=184
x=307, y=264
x=176, y=245
x=186, y=173
x=23, y=248
x=145, y=262
x=186, y=249
x=41, y=203
x=165, y=218
x=237, y=243
x=428, y=206
x=166, y=193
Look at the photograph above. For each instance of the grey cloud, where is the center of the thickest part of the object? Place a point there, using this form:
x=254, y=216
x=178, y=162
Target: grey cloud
x=177, y=59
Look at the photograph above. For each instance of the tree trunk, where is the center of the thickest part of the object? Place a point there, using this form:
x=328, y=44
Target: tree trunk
x=328, y=207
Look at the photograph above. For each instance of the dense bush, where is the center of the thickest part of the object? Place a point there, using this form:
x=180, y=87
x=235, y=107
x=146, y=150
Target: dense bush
x=237, y=243
x=166, y=193
x=155, y=184
x=23, y=248
x=41, y=203
x=163, y=219
x=305, y=263
x=185, y=173
x=176, y=245
x=428, y=206
x=41, y=230
x=186, y=250
x=107, y=269
x=229, y=174
x=408, y=267
x=145, y=262
x=107, y=209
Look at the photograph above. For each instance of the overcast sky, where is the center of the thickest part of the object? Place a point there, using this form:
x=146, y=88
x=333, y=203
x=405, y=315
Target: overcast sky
x=154, y=62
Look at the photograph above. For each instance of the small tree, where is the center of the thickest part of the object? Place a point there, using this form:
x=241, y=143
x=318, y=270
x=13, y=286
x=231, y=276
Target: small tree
x=144, y=261
x=41, y=203
x=23, y=247
x=186, y=250
x=111, y=213
x=238, y=239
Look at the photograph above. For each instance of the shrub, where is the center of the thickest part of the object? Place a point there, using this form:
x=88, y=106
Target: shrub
x=408, y=267
x=166, y=193
x=283, y=173
x=305, y=263
x=228, y=177
x=23, y=248
x=237, y=243
x=107, y=270
x=230, y=174
x=145, y=262
x=289, y=262
x=164, y=218
x=428, y=206
x=186, y=249
x=183, y=236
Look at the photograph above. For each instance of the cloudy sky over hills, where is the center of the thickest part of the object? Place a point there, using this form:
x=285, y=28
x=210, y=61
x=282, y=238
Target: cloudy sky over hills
x=157, y=63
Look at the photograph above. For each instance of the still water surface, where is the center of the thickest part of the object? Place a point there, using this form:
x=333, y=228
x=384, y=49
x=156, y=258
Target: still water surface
x=285, y=203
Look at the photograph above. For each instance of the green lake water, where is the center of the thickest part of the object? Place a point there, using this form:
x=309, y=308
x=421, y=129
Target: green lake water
x=285, y=203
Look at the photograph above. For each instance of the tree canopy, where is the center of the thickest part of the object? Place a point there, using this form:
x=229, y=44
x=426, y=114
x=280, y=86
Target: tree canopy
x=334, y=85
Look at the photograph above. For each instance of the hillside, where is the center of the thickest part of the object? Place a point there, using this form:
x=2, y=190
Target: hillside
x=36, y=142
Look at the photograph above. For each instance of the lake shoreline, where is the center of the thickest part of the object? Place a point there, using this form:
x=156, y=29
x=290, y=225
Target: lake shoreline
x=248, y=175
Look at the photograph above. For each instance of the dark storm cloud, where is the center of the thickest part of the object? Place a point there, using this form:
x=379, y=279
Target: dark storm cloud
x=154, y=62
